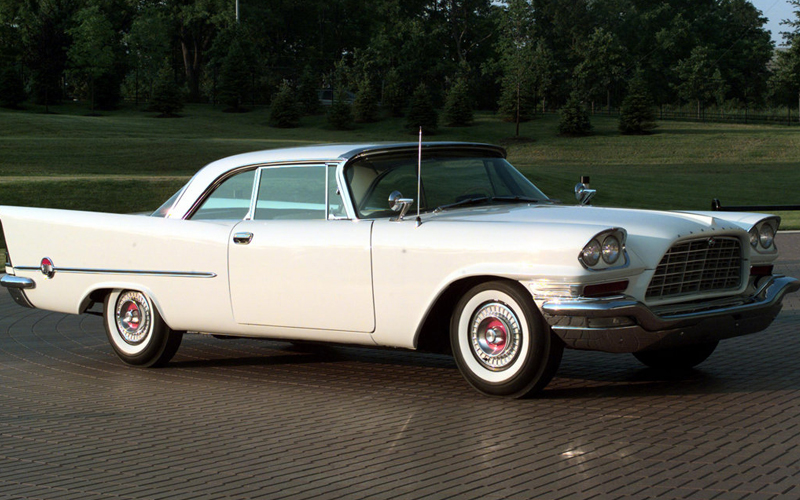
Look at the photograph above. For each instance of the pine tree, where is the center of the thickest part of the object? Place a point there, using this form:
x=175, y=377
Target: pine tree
x=285, y=112
x=574, y=118
x=340, y=114
x=307, y=92
x=12, y=91
x=235, y=78
x=394, y=99
x=167, y=96
x=457, y=108
x=365, y=105
x=637, y=116
x=421, y=112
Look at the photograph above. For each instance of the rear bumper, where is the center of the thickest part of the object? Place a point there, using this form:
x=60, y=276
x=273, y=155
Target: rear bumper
x=622, y=324
x=16, y=287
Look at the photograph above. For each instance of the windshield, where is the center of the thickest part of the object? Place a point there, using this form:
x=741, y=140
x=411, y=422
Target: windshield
x=448, y=180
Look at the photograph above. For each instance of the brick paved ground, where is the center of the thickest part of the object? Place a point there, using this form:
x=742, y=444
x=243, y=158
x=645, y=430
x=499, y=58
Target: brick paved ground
x=247, y=419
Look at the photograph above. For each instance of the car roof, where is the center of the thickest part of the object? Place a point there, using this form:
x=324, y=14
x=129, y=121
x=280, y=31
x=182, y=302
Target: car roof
x=334, y=153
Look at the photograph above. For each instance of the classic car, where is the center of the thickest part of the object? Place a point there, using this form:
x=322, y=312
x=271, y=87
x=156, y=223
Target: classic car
x=440, y=247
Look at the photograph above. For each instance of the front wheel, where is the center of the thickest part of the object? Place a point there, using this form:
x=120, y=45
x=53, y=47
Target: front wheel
x=677, y=358
x=136, y=330
x=501, y=344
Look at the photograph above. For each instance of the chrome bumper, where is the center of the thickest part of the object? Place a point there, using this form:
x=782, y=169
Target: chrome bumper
x=621, y=324
x=16, y=287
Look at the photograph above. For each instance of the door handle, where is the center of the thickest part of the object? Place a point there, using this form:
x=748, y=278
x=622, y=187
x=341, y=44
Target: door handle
x=242, y=238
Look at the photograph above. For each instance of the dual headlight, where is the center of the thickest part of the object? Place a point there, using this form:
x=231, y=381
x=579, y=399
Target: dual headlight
x=762, y=235
x=605, y=250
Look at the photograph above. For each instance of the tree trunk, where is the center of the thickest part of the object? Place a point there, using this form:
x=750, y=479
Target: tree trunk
x=518, y=106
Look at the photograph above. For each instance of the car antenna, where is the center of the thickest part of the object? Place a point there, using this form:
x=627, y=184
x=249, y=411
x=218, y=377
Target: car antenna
x=419, y=175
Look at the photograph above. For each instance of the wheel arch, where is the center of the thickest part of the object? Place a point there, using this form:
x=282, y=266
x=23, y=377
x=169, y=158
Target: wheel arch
x=433, y=334
x=98, y=293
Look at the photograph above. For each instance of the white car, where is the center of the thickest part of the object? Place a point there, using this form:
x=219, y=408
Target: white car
x=327, y=243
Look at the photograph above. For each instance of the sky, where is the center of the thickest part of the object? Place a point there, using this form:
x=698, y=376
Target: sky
x=776, y=11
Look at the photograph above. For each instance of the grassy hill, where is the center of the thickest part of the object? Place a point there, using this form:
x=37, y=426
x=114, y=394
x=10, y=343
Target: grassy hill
x=129, y=161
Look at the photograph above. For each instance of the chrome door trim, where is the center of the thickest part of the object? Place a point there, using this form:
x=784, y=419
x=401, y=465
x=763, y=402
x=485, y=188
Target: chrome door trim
x=135, y=272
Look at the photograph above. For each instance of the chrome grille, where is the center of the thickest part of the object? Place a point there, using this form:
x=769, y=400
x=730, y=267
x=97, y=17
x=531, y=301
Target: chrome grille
x=698, y=266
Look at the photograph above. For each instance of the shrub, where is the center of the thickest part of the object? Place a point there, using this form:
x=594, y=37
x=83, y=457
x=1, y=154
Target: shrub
x=637, y=116
x=12, y=90
x=340, y=114
x=457, y=108
x=285, y=112
x=167, y=96
x=365, y=105
x=574, y=118
x=421, y=112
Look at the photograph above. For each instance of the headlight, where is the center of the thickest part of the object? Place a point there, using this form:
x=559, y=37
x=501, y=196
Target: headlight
x=610, y=250
x=591, y=253
x=605, y=250
x=754, y=237
x=766, y=235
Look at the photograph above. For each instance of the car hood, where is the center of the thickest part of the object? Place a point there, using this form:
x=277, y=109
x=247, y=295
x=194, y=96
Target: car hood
x=650, y=232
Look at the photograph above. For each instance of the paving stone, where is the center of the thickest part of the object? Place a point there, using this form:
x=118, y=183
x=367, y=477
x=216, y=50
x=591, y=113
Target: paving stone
x=245, y=419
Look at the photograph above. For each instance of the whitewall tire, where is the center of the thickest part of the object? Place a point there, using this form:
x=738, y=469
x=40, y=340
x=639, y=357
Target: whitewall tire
x=500, y=342
x=136, y=331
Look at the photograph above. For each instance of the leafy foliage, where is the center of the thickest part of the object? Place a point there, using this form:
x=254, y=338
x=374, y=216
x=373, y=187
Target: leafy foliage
x=236, y=75
x=574, y=118
x=285, y=111
x=637, y=116
x=394, y=97
x=340, y=114
x=167, y=95
x=91, y=55
x=12, y=91
x=421, y=112
x=457, y=109
x=365, y=104
x=307, y=92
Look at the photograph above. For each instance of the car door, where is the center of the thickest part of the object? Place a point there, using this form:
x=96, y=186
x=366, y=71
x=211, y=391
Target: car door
x=295, y=261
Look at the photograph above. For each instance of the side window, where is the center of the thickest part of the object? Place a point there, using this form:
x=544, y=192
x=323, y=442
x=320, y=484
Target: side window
x=291, y=193
x=231, y=199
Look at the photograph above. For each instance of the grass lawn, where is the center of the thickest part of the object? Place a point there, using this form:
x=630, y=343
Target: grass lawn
x=129, y=161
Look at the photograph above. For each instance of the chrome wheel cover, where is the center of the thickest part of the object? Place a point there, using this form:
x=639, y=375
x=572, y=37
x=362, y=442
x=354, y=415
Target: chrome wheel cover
x=133, y=317
x=495, y=336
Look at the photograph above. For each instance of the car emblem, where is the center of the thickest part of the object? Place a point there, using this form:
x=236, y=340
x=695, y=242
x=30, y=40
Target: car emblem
x=711, y=242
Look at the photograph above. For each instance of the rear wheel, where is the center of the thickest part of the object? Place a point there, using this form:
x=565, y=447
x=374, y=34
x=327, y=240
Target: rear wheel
x=677, y=358
x=501, y=344
x=136, y=330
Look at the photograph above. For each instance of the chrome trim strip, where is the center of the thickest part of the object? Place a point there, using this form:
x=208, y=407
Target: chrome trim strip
x=17, y=282
x=172, y=274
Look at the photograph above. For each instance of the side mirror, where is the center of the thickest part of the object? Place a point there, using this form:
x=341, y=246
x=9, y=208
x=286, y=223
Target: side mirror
x=583, y=194
x=399, y=204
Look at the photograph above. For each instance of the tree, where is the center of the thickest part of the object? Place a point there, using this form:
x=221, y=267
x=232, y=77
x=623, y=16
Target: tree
x=365, y=105
x=91, y=55
x=307, y=92
x=44, y=32
x=700, y=79
x=235, y=83
x=12, y=91
x=148, y=43
x=574, y=118
x=636, y=113
x=517, y=61
x=167, y=96
x=285, y=112
x=457, y=109
x=340, y=114
x=601, y=66
x=394, y=98
x=421, y=112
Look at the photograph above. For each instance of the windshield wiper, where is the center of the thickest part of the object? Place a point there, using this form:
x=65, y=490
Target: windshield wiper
x=486, y=199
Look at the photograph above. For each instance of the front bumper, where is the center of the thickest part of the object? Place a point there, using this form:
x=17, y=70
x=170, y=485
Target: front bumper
x=622, y=324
